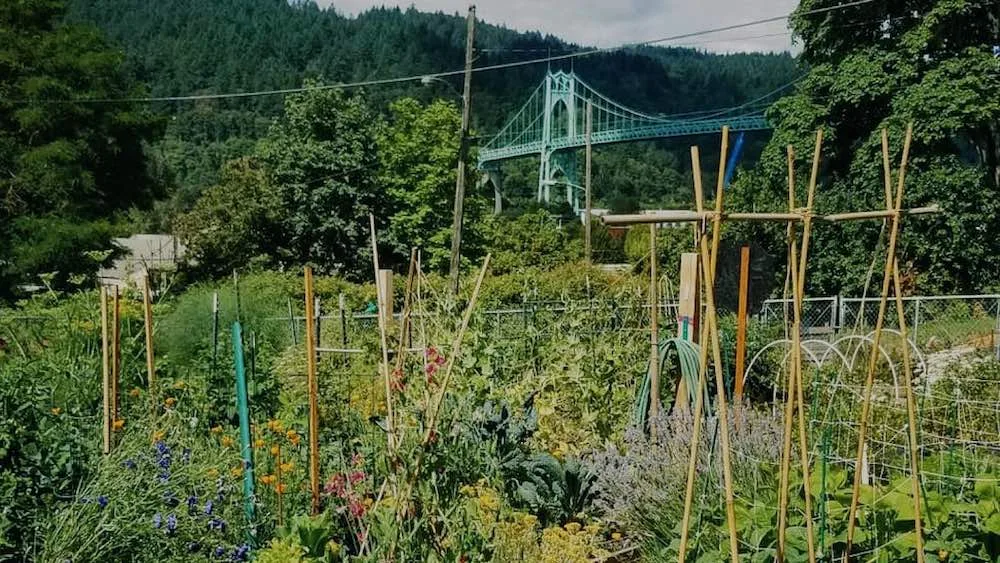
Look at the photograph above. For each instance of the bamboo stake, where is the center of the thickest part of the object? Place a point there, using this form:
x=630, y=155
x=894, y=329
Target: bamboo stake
x=456, y=348
x=313, y=393
x=722, y=408
x=147, y=307
x=654, y=334
x=116, y=356
x=404, y=317
x=105, y=373
x=383, y=341
x=699, y=393
x=876, y=338
x=741, y=328
x=911, y=413
x=786, y=449
x=708, y=260
x=799, y=382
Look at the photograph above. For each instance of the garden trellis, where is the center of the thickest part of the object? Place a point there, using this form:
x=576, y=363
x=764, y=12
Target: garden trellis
x=798, y=263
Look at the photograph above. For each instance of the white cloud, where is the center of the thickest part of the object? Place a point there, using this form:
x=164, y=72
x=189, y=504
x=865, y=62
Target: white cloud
x=605, y=23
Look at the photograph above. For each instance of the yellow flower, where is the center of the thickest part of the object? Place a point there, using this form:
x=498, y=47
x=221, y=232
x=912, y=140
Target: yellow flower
x=236, y=471
x=275, y=425
x=294, y=440
x=287, y=466
x=158, y=436
x=258, y=443
x=56, y=411
x=292, y=435
x=135, y=392
x=170, y=402
x=217, y=429
x=213, y=472
x=572, y=527
x=369, y=502
x=268, y=479
x=275, y=450
x=617, y=536
x=227, y=442
x=118, y=424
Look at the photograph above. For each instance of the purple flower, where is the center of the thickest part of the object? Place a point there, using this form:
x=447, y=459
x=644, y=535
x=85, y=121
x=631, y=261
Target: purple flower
x=171, y=524
x=129, y=464
x=219, y=551
x=164, y=476
x=241, y=553
x=157, y=520
x=162, y=449
x=217, y=524
x=102, y=501
x=164, y=462
x=208, y=507
x=192, y=501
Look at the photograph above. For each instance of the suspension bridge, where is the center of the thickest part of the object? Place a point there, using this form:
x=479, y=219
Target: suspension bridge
x=552, y=125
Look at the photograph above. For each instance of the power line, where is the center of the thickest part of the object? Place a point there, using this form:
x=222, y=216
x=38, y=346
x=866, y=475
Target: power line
x=488, y=68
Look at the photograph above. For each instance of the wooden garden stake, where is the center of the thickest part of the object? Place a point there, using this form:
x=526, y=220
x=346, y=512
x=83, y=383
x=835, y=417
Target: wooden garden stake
x=876, y=338
x=116, y=355
x=147, y=307
x=105, y=372
x=741, y=327
x=654, y=335
x=383, y=340
x=313, y=393
x=277, y=486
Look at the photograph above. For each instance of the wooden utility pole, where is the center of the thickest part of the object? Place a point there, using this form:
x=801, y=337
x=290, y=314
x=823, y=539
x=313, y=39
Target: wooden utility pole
x=463, y=150
x=587, y=204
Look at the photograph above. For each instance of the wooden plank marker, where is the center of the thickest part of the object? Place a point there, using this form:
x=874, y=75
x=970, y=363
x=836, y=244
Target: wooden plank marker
x=313, y=393
x=654, y=334
x=116, y=355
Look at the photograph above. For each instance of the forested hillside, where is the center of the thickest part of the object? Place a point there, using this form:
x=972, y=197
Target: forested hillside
x=190, y=46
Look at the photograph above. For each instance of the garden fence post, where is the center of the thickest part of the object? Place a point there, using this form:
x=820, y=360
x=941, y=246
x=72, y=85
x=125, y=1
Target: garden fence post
x=105, y=372
x=116, y=354
x=215, y=329
x=147, y=306
x=342, y=309
x=916, y=318
x=317, y=316
x=313, y=392
x=291, y=323
x=246, y=448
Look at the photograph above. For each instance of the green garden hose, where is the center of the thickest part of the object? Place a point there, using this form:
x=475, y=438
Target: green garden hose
x=687, y=361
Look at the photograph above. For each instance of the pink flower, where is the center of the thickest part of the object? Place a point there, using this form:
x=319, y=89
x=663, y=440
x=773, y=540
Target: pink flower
x=356, y=508
x=357, y=459
x=336, y=485
x=431, y=369
x=357, y=477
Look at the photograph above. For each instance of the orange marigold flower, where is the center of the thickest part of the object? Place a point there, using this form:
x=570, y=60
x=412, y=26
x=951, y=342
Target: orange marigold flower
x=267, y=479
x=295, y=439
x=291, y=434
x=158, y=436
x=227, y=441
x=170, y=402
x=275, y=450
x=236, y=471
x=280, y=487
x=118, y=424
x=287, y=466
x=258, y=443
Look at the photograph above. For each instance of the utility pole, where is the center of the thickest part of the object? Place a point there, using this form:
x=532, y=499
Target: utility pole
x=586, y=215
x=463, y=151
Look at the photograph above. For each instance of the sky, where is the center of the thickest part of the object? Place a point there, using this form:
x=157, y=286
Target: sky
x=606, y=23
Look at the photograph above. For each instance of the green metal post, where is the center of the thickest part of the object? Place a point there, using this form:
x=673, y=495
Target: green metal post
x=246, y=449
